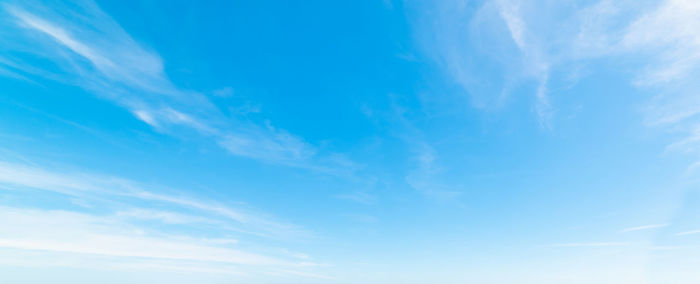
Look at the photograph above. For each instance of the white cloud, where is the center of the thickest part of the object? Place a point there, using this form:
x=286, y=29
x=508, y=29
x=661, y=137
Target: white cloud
x=225, y=92
x=672, y=32
x=167, y=217
x=96, y=37
x=645, y=227
x=92, y=51
x=303, y=274
x=543, y=107
x=424, y=175
x=667, y=35
x=509, y=11
x=122, y=192
x=85, y=234
x=489, y=50
x=272, y=144
x=63, y=38
x=359, y=197
x=693, y=232
x=130, y=228
x=655, y=43
x=601, y=244
x=87, y=241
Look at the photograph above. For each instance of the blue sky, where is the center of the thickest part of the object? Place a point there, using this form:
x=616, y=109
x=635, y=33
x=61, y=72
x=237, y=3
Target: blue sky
x=350, y=142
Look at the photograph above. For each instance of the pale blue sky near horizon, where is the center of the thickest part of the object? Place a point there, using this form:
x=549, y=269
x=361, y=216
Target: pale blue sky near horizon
x=386, y=141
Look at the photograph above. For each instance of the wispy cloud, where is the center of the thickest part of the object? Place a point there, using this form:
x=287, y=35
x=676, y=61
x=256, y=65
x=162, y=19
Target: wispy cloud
x=658, y=41
x=510, y=12
x=662, y=39
x=693, y=232
x=122, y=192
x=423, y=175
x=55, y=259
x=670, y=31
x=225, y=92
x=166, y=217
x=110, y=243
x=666, y=35
x=468, y=41
x=601, y=244
x=669, y=35
x=86, y=234
x=535, y=66
x=304, y=274
x=92, y=51
x=359, y=197
x=645, y=227
x=125, y=222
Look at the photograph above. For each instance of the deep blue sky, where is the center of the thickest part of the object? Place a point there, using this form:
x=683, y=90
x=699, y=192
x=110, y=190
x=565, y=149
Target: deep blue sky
x=349, y=142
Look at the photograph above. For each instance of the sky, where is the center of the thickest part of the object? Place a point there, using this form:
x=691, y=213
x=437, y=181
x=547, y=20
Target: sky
x=350, y=141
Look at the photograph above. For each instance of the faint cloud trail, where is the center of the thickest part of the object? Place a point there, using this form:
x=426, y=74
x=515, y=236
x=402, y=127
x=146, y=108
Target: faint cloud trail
x=645, y=227
x=123, y=71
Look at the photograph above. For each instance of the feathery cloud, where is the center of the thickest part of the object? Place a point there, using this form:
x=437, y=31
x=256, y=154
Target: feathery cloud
x=122, y=192
x=124, y=224
x=645, y=227
x=693, y=232
x=92, y=51
x=601, y=244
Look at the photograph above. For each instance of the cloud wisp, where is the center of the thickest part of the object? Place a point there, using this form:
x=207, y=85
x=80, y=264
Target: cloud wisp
x=663, y=36
x=123, y=192
x=597, y=244
x=92, y=51
x=686, y=233
x=87, y=234
x=489, y=50
x=642, y=228
x=117, y=219
x=536, y=66
x=424, y=176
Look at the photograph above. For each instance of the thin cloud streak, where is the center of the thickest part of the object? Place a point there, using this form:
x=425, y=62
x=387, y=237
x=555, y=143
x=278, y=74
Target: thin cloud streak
x=601, y=244
x=127, y=225
x=112, y=189
x=86, y=235
x=46, y=259
x=645, y=227
x=536, y=66
x=423, y=177
x=693, y=232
